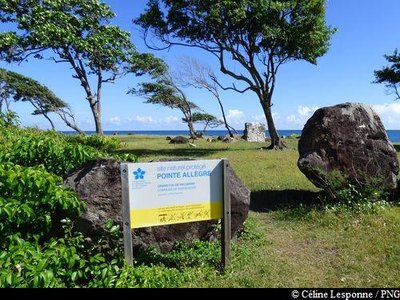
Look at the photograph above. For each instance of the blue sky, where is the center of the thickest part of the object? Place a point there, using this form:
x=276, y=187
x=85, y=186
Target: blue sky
x=367, y=29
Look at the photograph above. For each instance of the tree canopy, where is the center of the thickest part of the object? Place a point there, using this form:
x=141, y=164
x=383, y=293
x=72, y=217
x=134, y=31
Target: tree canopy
x=77, y=32
x=257, y=35
x=195, y=74
x=207, y=120
x=22, y=88
x=390, y=75
x=166, y=92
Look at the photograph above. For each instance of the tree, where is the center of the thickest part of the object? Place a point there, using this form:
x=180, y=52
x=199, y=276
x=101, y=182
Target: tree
x=76, y=32
x=390, y=75
x=197, y=75
x=5, y=99
x=207, y=120
x=21, y=88
x=166, y=92
x=259, y=35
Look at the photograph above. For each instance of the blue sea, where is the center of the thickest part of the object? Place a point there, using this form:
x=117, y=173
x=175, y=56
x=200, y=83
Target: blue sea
x=394, y=135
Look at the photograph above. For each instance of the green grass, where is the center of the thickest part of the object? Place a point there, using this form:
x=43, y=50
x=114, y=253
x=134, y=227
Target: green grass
x=291, y=240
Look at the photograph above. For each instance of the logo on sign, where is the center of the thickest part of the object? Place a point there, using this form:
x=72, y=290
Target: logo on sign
x=139, y=174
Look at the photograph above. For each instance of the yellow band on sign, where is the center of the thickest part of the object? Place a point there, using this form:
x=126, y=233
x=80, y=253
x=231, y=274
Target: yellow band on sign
x=155, y=216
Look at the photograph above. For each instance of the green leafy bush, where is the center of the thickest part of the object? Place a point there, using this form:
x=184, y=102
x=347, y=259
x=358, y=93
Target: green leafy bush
x=102, y=143
x=30, y=197
x=70, y=262
x=341, y=193
x=28, y=264
x=31, y=148
x=9, y=119
x=58, y=154
x=184, y=255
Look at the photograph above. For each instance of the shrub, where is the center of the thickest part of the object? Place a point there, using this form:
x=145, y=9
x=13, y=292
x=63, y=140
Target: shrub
x=185, y=255
x=32, y=198
x=361, y=197
x=70, y=262
x=27, y=264
x=29, y=199
x=102, y=143
x=57, y=153
x=9, y=119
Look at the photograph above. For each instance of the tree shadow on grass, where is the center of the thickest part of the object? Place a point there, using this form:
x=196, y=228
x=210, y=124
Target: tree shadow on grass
x=270, y=200
x=177, y=152
x=397, y=147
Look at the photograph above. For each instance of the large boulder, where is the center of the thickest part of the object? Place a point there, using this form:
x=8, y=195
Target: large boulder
x=349, y=138
x=179, y=140
x=254, y=132
x=99, y=185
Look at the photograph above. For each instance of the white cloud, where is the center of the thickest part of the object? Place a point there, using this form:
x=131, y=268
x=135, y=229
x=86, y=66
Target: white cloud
x=389, y=114
x=298, y=119
x=391, y=120
x=384, y=109
x=235, y=113
x=115, y=120
x=143, y=119
x=292, y=119
x=155, y=121
x=259, y=118
x=235, y=116
x=171, y=120
x=305, y=111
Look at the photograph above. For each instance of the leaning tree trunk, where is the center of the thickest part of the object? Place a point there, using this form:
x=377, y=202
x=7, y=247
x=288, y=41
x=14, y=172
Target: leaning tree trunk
x=74, y=127
x=50, y=121
x=63, y=115
x=224, y=117
x=191, y=129
x=276, y=141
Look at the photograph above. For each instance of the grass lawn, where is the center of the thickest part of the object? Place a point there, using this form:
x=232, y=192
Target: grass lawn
x=290, y=240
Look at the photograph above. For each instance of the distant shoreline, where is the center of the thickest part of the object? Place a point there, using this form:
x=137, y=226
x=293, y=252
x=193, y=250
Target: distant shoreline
x=394, y=135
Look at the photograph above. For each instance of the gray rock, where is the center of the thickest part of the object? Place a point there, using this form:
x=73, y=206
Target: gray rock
x=179, y=140
x=254, y=132
x=349, y=138
x=199, y=135
x=99, y=185
x=228, y=139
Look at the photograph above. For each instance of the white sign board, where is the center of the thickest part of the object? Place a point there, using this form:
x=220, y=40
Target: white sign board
x=172, y=192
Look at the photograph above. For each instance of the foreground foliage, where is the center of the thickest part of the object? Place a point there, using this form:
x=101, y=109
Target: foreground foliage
x=57, y=153
x=32, y=202
x=291, y=238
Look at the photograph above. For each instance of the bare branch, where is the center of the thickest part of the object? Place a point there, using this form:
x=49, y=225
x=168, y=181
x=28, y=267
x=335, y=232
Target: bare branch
x=169, y=44
x=239, y=77
x=396, y=91
x=114, y=77
x=58, y=60
x=233, y=88
x=31, y=52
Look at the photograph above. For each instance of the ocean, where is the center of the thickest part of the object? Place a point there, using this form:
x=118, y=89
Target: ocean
x=394, y=135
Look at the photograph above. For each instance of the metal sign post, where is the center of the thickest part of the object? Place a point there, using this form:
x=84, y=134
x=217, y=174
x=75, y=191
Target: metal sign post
x=163, y=193
x=226, y=220
x=126, y=219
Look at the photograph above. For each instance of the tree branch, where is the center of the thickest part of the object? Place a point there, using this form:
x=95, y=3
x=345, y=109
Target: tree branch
x=239, y=77
x=233, y=88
